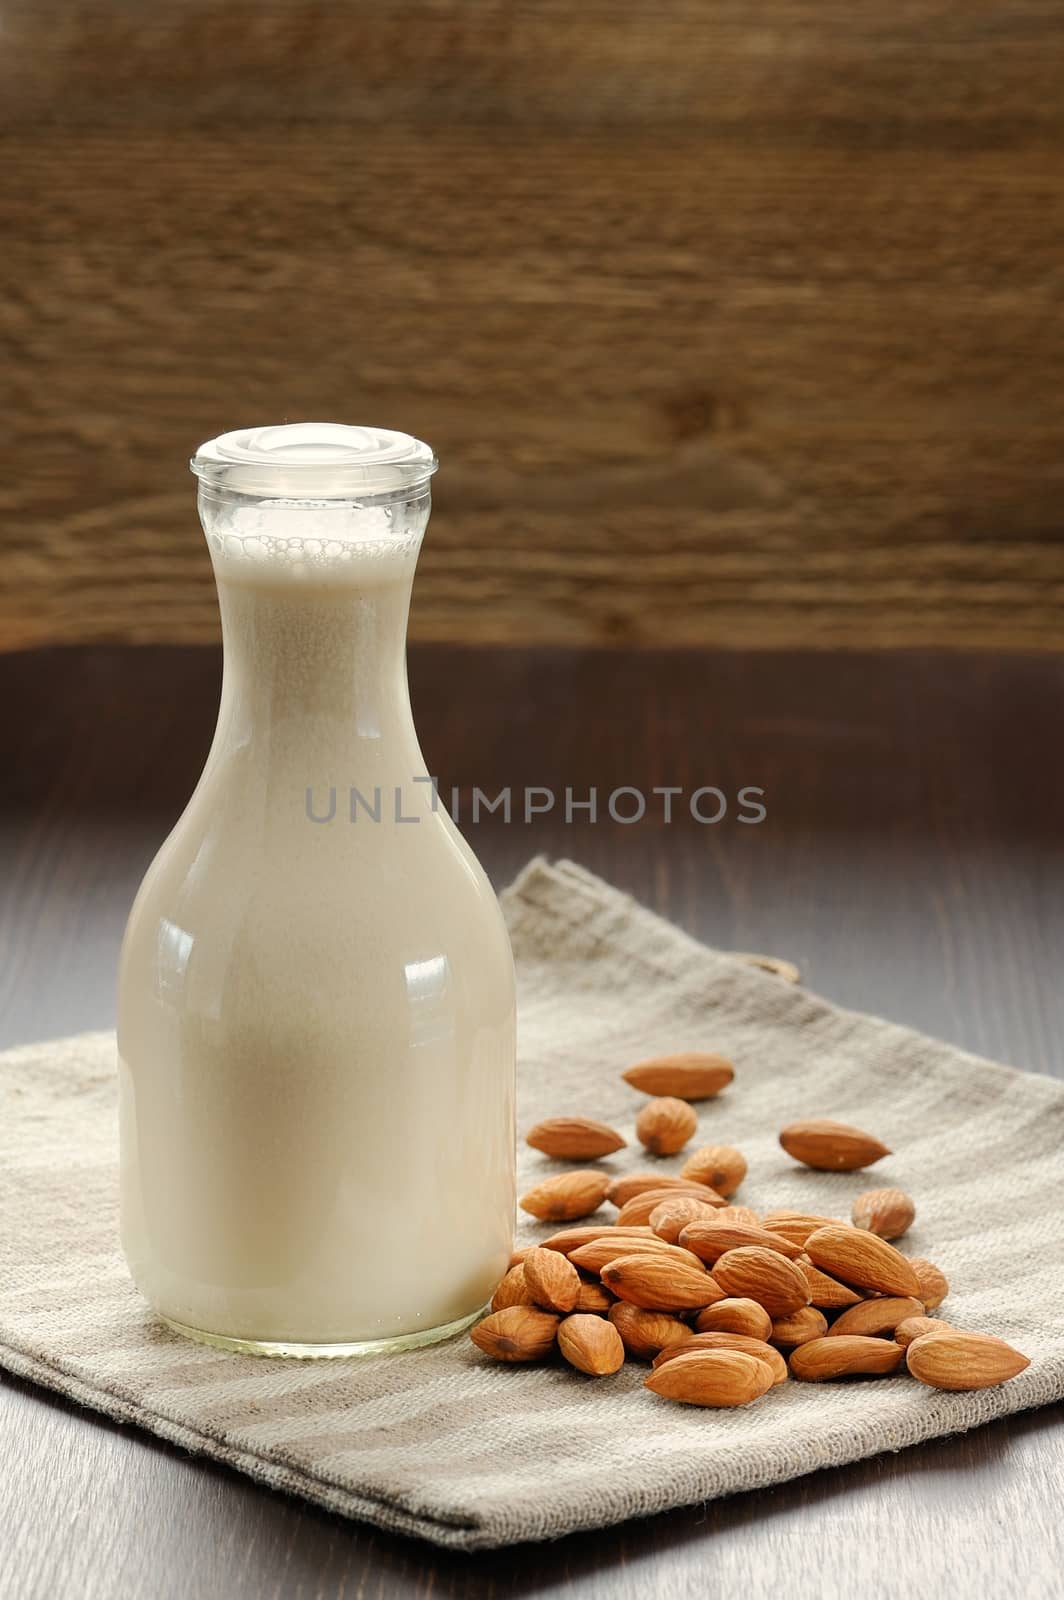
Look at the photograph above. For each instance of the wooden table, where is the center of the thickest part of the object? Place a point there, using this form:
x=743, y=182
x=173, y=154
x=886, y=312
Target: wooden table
x=912, y=863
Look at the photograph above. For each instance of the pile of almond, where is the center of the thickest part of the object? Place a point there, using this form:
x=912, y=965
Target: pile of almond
x=724, y=1302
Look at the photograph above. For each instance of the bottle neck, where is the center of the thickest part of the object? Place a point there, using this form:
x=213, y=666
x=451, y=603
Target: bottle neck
x=314, y=601
x=319, y=667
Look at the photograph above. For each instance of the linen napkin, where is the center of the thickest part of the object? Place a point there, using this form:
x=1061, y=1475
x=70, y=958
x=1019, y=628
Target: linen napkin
x=446, y=1445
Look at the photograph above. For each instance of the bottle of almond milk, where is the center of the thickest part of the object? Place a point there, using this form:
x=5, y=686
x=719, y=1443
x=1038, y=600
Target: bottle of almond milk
x=316, y=996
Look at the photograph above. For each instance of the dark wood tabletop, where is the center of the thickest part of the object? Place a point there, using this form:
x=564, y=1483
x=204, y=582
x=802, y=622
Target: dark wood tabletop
x=911, y=863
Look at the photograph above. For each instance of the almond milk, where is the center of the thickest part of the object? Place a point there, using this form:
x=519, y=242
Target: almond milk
x=316, y=1009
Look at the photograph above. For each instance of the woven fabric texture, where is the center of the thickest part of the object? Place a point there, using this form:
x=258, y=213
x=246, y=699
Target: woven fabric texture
x=446, y=1445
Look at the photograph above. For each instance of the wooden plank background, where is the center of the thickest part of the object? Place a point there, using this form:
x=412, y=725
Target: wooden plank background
x=731, y=323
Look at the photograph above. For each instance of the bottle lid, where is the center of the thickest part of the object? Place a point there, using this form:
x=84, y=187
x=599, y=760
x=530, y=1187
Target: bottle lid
x=314, y=461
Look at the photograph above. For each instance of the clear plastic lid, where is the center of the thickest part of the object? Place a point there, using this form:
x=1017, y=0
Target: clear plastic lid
x=314, y=461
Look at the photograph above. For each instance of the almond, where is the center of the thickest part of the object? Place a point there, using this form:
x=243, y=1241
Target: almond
x=572, y=1238
x=643, y=1206
x=800, y=1326
x=729, y=1341
x=753, y=1273
x=688, y=1076
x=874, y=1317
x=861, y=1260
x=720, y=1166
x=594, y=1298
x=913, y=1327
x=670, y=1217
x=664, y=1126
x=567, y=1196
x=517, y=1333
x=831, y=1146
x=887, y=1212
x=735, y=1316
x=737, y=1214
x=711, y=1378
x=517, y=1256
x=645, y=1333
x=778, y=967
x=621, y=1190
x=711, y=1239
x=552, y=1279
x=826, y=1293
x=591, y=1345
x=658, y=1283
x=600, y=1252
x=933, y=1283
x=795, y=1225
x=961, y=1361
x=512, y=1291
x=574, y=1138
x=845, y=1357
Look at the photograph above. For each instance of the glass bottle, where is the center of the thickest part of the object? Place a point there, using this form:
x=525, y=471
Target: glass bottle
x=316, y=999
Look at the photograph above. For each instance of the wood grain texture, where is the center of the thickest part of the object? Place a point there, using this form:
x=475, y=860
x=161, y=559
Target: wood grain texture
x=728, y=327
x=911, y=863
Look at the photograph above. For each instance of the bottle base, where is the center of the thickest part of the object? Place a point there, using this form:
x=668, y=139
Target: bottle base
x=294, y=1351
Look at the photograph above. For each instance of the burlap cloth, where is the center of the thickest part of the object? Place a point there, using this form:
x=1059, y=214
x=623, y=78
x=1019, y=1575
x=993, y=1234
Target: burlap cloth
x=449, y=1446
